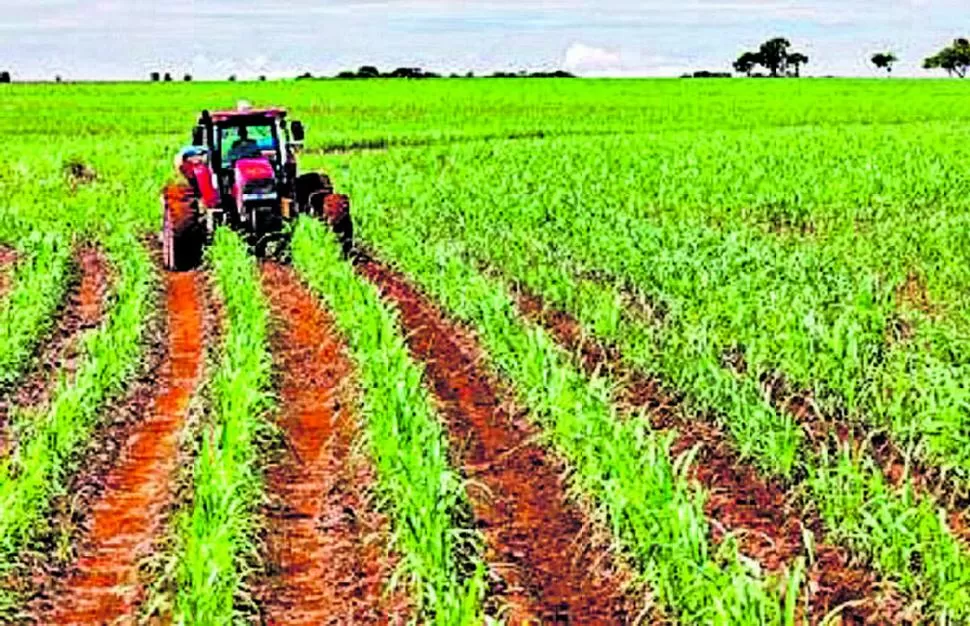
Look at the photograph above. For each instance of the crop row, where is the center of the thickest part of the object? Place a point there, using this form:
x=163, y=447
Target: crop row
x=593, y=228
x=26, y=313
x=51, y=438
x=424, y=495
x=640, y=492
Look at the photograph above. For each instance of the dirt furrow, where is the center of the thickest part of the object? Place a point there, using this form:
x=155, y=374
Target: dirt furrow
x=829, y=432
x=126, y=519
x=324, y=547
x=758, y=513
x=83, y=309
x=8, y=257
x=537, y=541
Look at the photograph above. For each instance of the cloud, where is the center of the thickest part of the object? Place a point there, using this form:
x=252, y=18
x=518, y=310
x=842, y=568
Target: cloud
x=583, y=59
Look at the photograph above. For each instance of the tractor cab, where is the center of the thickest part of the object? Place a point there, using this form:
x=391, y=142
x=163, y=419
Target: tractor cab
x=252, y=153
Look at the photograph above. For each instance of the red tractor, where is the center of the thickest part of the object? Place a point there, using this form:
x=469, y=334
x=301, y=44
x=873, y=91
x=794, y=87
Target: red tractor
x=241, y=171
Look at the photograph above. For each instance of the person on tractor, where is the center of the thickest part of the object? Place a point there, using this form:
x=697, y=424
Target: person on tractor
x=192, y=162
x=190, y=156
x=243, y=147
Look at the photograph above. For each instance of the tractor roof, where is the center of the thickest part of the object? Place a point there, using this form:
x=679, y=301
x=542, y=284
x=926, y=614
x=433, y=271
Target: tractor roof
x=256, y=114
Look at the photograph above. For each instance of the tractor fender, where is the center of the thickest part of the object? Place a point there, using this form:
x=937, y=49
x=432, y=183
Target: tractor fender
x=200, y=176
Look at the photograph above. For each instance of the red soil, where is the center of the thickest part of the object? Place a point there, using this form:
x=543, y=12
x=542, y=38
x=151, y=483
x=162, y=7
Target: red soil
x=758, y=513
x=83, y=310
x=94, y=287
x=125, y=520
x=329, y=569
x=535, y=537
x=7, y=259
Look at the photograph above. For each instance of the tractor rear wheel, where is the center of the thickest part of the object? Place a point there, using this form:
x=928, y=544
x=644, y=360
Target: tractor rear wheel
x=311, y=189
x=182, y=233
x=336, y=212
x=315, y=196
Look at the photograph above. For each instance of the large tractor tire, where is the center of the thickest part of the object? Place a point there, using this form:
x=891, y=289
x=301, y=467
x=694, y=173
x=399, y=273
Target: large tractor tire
x=311, y=189
x=336, y=212
x=182, y=234
x=315, y=196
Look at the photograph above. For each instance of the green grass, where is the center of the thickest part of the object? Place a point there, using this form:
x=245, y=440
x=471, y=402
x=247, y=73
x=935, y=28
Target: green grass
x=775, y=219
x=39, y=284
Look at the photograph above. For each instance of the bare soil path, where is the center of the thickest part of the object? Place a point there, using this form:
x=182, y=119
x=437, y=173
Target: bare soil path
x=324, y=546
x=757, y=512
x=8, y=257
x=537, y=541
x=127, y=517
x=83, y=309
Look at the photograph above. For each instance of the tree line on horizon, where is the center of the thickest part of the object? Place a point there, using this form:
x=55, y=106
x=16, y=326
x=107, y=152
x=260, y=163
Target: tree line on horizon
x=775, y=56
x=370, y=72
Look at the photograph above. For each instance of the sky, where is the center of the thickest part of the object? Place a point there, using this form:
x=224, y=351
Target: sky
x=128, y=39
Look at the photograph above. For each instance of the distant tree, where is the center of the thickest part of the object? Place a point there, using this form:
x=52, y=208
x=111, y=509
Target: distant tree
x=155, y=77
x=774, y=55
x=954, y=59
x=747, y=62
x=187, y=78
x=168, y=77
x=797, y=60
x=554, y=74
x=58, y=79
x=708, y=74
x=232, y=78
x=5, y=77
x=884, y=61
x=470, y=75
x=305, y=76
x=346, y=75
x=403, y=72
x=262, y=78
x=368, y=71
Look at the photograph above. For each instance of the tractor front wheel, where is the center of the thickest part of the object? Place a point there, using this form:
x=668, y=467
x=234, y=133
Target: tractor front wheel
x=182, y=233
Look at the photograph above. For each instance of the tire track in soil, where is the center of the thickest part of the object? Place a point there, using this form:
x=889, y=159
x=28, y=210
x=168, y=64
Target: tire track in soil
x=325, y=546
x=83, y=310
x=758, y=513
x=126, y=519
x=534, y=535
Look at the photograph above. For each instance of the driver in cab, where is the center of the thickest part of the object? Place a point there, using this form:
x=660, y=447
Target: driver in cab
x=243, y=147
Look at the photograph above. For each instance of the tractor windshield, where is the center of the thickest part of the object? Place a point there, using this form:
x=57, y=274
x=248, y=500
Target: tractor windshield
x=241, y=142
